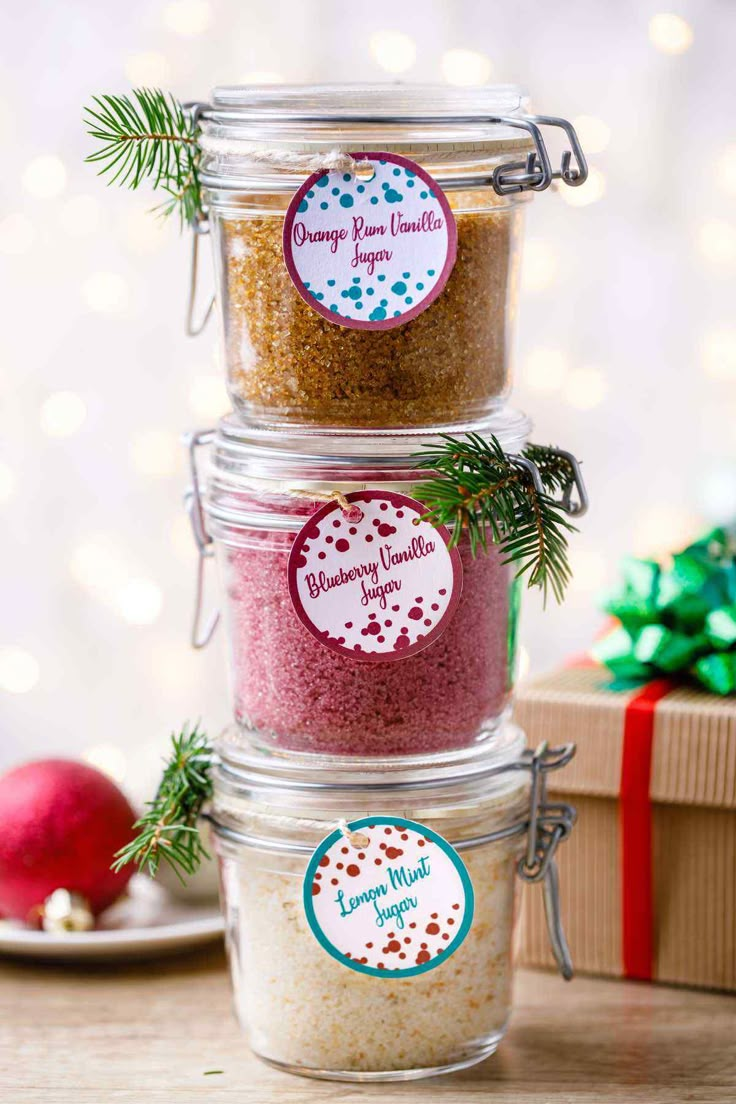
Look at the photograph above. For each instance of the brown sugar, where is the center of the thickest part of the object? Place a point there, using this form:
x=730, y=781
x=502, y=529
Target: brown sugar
x=288, y=365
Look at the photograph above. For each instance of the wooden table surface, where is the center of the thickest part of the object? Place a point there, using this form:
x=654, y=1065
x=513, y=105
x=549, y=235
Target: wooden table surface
x=147, y=1034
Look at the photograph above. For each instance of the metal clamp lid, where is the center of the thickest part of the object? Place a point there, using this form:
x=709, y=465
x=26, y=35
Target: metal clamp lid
x=534, y=173
x=573, y=501
x=546, y=825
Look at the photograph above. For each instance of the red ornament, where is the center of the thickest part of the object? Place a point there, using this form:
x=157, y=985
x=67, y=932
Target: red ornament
x=61, y=823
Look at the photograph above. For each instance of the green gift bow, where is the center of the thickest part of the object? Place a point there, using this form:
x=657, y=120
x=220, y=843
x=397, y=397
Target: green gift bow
x=677, y=620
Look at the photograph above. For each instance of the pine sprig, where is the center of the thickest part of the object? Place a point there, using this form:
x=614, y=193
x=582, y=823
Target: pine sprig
x=168, y=829
x=148, y=136
x=483, y=492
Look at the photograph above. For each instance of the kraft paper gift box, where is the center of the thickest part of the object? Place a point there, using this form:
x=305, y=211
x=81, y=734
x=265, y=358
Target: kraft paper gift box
x=648, y=877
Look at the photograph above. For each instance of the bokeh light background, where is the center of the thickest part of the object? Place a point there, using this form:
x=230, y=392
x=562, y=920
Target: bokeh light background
x=626, y=349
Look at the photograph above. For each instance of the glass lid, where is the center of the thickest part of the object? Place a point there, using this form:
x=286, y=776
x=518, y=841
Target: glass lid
x=366, y=102
x=454, y=129
x=365, y=116
x=248, y=469
x=244, y=766
x=237, y=444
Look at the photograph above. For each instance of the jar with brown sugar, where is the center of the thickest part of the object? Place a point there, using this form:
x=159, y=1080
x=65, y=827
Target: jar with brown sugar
x=367, y=247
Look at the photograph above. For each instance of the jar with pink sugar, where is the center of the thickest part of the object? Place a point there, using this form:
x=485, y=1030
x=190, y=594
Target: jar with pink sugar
x=355, y=625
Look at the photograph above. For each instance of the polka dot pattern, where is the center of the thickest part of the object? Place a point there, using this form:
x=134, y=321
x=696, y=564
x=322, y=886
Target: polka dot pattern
x=370, y=253
x=384, y=586
x=399, y=899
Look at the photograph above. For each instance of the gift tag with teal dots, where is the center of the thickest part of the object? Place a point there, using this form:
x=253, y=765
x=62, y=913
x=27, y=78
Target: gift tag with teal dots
x=372, y=248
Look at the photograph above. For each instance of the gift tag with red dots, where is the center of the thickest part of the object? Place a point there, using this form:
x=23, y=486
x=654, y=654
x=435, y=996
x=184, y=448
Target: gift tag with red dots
x=370, y=249
x=374, y=581
x=387, y=897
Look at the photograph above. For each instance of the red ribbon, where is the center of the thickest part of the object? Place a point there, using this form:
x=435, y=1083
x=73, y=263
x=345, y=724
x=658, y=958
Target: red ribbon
x=636, y=831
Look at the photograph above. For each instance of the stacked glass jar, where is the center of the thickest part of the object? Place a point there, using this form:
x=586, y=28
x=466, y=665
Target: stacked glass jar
x=367, y=248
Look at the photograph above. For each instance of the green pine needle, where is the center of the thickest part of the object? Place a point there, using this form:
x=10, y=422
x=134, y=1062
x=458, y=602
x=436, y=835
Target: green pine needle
x=168, y=829
x=148, y=136
x=482, y=491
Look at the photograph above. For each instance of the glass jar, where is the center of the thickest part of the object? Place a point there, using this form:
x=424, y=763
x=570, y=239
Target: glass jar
x=288, y=365
x=309, y=1013
x=289, y=689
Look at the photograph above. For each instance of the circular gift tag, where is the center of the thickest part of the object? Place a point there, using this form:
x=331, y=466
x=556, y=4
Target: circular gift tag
x=370, y=252
x=387, y=897
x=378, y=583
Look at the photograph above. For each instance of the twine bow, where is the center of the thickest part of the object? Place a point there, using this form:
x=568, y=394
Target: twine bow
x=678, y=620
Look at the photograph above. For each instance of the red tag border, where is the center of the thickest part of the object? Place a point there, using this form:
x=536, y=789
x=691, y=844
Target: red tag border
x=375, y=657
x=419, y=308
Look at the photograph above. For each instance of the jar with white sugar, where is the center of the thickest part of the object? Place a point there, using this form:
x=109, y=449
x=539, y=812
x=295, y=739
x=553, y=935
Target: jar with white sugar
x=370, y=905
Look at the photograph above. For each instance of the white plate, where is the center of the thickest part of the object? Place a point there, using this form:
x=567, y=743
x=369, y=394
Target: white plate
x=147, y=922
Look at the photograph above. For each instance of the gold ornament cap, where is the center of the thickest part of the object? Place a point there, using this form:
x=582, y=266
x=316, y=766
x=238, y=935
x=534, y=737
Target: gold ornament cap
x=64, y=911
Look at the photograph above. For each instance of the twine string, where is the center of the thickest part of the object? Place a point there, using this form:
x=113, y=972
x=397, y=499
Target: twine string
x=351, y=511
x=357, y=840
x=334, y=160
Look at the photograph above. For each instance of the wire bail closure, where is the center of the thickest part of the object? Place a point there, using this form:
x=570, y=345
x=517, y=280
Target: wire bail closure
x=549, y=824
x=200, y=225
x=574, y=501
x=201, y=633
x=534, y=173
x=546, y=824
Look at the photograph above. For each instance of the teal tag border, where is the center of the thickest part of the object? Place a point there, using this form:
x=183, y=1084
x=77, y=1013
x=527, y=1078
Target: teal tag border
x=399, y=822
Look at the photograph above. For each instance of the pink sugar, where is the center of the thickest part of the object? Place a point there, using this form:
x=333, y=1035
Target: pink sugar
x=301, y=696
